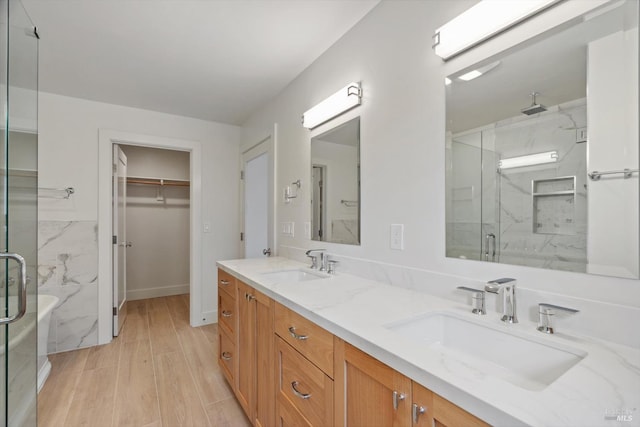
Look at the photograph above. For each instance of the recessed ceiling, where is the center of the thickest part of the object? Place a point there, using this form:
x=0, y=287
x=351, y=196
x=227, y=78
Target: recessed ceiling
x=215, y=60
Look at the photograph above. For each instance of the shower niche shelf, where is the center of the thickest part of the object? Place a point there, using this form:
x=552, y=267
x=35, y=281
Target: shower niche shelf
x=553, y=204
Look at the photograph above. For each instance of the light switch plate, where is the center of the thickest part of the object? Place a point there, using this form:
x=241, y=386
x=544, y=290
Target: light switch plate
x=307, y=230
x=397, y=236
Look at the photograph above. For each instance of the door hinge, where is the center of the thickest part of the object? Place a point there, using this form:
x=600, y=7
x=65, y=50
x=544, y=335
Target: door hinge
x=115, y=240
x=241, y=175
x=115, y=311
x=242, y=237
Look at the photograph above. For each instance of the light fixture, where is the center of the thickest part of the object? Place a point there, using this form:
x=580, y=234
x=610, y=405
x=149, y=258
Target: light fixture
x=341, y=101
x=528, y=160
x=482, y=21
x=474, y=74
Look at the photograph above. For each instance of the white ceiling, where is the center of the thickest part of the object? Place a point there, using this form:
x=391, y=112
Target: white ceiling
x=210, y=59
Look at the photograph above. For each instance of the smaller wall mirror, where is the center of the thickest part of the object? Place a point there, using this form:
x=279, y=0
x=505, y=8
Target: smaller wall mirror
x=335, y=178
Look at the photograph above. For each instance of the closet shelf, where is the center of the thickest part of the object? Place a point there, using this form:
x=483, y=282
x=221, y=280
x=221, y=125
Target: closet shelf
x=158, y=181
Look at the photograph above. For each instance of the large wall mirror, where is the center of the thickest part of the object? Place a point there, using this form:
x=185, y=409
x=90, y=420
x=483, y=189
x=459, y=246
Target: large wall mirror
x=335, y=177
x=538, y=140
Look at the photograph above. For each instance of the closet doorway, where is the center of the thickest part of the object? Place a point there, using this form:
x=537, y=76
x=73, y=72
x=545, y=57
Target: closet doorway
x=158, y=211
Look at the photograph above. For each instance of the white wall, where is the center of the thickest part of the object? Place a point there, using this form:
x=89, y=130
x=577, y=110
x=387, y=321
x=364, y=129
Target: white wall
x=158, y=260
x=613, y=145
x=68, y=156
x=402, y=147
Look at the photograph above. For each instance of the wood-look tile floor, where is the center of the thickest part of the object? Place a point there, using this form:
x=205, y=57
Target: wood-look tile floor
x=159, y=372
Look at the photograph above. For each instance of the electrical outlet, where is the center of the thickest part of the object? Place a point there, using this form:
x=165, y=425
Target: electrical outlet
x=307, y=230
x=397, y=236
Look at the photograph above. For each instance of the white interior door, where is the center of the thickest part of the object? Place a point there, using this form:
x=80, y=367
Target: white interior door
x=257, y=201
x=119, y=239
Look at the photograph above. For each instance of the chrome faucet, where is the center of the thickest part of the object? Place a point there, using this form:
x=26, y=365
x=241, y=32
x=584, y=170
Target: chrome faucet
x=314, y=259
x=507, y=286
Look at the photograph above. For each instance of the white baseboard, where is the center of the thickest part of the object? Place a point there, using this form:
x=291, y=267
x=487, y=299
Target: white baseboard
x=164, y=291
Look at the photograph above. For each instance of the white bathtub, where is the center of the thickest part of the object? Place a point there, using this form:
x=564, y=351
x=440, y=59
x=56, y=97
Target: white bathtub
x=23, y=336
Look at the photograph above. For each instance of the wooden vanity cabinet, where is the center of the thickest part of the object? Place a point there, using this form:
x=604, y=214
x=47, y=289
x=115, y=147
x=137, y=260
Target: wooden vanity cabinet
x=287, y=371
x=374, y=394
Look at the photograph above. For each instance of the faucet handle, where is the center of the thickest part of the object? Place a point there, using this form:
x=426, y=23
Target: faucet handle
x=546, y=313
x=331, y=266
x=477, y=300
x=314, y=261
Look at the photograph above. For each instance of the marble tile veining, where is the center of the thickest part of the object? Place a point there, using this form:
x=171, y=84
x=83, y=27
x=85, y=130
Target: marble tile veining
x=68, y=269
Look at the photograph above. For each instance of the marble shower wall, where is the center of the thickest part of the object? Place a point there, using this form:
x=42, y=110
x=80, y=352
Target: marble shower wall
x=547, y=231
x=68, y=269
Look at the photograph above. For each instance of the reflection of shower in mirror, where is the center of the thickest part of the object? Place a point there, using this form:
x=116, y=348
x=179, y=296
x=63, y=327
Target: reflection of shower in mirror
x=534, y=108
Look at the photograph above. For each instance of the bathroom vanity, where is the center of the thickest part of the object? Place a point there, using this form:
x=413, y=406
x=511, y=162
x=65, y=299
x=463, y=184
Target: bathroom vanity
x=302, y=348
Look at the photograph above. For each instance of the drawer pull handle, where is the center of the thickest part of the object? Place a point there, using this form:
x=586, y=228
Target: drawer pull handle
x=305, y=396
x=416, y=411
x=397, y=397
x=226, y=355
x=224, y=282
x=226, y=313
x=292, y=331
x=249, y=297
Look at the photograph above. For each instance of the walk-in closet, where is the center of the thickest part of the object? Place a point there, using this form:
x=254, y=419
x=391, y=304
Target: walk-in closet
x=157, y=222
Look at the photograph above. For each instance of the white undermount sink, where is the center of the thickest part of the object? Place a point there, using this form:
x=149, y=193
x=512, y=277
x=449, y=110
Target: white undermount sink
x=522, y=361
x=293, y=275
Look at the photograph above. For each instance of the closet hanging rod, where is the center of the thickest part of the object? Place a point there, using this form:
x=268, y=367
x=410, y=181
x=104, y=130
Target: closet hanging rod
x=158, y=181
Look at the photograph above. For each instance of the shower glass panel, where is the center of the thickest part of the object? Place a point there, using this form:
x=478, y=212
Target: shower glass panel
x=18, y=195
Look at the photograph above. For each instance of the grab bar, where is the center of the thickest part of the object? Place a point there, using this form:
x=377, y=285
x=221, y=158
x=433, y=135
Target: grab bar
x=595, y=175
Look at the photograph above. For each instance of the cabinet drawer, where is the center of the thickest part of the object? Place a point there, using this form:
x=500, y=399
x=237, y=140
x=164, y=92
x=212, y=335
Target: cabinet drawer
x=226, y=312
x=227, y=283
x=304, y=385
x=288, y=416
x=315, y=343
x=227, y=358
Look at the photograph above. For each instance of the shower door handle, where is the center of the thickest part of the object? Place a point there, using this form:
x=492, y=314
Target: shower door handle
x=489, y=237
x=22, y=292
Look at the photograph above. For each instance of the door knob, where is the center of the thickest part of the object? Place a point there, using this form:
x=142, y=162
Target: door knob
x=266, y=252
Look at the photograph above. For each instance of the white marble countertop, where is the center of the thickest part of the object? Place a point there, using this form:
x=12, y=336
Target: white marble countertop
x=603, y=389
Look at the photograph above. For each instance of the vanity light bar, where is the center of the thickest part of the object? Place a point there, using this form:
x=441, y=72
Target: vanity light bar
x=345, y=99
x=482, y=21
x=529, y=160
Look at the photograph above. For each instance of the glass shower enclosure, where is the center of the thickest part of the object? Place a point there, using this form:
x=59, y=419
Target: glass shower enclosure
x=18, y=199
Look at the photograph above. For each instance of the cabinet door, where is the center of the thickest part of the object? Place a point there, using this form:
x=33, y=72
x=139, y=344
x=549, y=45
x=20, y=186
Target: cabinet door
x=245, y=384
x=446, y=414
x=265, y=365
x=421, y=406
x=374, y=394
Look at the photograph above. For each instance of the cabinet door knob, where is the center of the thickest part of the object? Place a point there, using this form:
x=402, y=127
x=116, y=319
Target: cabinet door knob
x=294, y=387
x=226, y=355
x=293, y=333
x=226, y=313
x=416, y=411
x=249, y=297
x=397, y=397
x=224, y=282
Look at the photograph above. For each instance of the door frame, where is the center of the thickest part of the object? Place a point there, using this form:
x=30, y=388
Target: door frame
x=106, y=139
x=265, y=145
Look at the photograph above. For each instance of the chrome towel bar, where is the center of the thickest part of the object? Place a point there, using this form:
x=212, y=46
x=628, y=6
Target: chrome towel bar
x=595, y=175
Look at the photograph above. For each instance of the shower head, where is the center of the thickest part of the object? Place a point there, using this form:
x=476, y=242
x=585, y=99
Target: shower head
x=534, y=108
